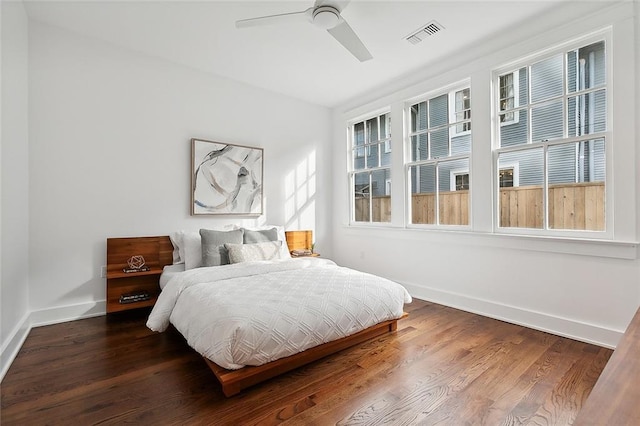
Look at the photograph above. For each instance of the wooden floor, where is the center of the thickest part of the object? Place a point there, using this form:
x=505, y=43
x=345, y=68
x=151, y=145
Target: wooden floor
x=443, y=367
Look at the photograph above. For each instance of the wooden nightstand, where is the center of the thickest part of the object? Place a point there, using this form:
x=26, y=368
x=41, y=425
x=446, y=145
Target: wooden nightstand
x=300, y=240
x=135, y=289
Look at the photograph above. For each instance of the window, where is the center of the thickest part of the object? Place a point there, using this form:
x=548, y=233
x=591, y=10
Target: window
x=461, y=182
x=370, y=174
x=509, y=97
x=438, y=167
x=506, y=178
x=461, y=101
x=508, y=175
x=557, y=136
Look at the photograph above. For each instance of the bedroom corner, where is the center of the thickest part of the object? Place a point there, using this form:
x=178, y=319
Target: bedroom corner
x=14, y=289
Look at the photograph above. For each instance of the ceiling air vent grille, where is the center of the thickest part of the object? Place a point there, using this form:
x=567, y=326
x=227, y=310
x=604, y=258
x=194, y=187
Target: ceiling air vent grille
x=423, y=32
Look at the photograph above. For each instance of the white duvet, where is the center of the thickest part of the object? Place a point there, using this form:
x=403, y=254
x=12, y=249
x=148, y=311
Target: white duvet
x=255, y=312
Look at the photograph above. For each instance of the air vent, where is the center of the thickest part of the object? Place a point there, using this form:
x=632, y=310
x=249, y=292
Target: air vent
x=423, y=32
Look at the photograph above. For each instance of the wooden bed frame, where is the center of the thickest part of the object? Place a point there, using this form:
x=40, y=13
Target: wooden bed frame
x=234, y=381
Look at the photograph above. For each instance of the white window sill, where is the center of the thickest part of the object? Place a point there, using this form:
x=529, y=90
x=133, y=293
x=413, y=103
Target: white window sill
x=577, y=246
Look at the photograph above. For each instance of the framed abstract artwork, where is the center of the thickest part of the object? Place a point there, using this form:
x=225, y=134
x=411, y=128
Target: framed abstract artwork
x=225, y=179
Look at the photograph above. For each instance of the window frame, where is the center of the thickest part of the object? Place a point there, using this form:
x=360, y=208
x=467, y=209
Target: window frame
x=354, y=152
x=515, y=166
x=527, y=61
x=621, y=237
x=453, y=184
x=516, y=100
x=448, y=90
x=452, y=114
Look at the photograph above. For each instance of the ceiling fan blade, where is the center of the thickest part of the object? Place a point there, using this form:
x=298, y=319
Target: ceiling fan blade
x=348, y=38
x=284, y=18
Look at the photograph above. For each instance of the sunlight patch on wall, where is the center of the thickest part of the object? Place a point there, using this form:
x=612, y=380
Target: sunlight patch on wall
x=300, y=192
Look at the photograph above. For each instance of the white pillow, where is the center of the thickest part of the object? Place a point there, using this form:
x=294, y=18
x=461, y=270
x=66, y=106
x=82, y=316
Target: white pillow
x=192, y=247
x=187, y=244
x=178, y=248
x=238, y=253
x=284, y=249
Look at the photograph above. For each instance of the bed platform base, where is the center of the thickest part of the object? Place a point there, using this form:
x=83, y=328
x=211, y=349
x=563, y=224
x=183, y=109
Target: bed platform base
x=234, y=381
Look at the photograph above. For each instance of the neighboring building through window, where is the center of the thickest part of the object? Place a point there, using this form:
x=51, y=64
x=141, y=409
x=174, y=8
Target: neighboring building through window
x=461, y=182
x=370, y=174
x=440, y=147
x=505, y=177
x=461, y=101
x=553, y=126
x=509, y=97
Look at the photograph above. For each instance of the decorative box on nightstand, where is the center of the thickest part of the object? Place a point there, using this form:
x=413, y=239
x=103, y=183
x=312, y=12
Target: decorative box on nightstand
x=139, y=289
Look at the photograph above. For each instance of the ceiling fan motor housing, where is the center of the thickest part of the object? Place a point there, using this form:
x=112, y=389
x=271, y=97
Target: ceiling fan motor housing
x=326, y=17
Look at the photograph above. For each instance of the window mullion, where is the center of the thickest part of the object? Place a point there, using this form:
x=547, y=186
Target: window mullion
x=449, y=122
x=437, y=206
x=565, y=101
x=370, y=198
x=545, y=187
x=366, y=147
x=529, y=108
x=379, y=138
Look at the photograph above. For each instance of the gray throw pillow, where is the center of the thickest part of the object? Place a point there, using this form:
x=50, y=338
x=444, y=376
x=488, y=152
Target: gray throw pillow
x=213, y=251
x=262, y=236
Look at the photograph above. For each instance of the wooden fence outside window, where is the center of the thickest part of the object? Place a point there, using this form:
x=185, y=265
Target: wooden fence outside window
x=578, y=206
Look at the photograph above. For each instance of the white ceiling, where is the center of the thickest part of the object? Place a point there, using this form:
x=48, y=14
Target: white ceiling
x=298, y=59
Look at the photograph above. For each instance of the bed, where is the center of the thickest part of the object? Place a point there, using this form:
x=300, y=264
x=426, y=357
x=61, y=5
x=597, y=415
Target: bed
x=255, y=318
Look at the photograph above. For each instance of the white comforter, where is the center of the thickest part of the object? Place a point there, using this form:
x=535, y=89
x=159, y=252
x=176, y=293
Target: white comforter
x=255, y=312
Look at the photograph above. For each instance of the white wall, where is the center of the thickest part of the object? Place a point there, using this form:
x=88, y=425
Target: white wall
x=109, y=156
x=107, y=132
x=14, y=285
x=585, y=290
x=636, y=5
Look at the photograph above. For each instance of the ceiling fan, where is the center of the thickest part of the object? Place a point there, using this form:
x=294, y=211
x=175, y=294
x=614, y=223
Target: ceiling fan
x=324, y=14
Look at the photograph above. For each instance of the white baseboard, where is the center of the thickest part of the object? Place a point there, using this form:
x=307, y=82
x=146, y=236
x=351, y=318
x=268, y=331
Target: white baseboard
x=12, y=345
x=42, y=317
x=67, y=313
x=584, y=332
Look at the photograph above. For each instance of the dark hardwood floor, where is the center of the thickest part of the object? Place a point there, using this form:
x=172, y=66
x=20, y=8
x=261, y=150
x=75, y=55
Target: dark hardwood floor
x=443, y=366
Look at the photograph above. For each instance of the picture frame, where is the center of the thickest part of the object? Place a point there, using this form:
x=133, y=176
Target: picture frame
x=226, y=179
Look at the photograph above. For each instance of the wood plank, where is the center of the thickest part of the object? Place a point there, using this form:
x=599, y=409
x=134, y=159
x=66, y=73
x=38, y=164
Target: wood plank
x=431, y=209
x=505, y=204
x=514, y=214
x=614, y=398
x=600, y=208
x=558, y=212
x=539, y=209
x=591, y=208
x=441, y=362
x=464, y=208
x=551, y=206
x=580, y=207
x=568, y=207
